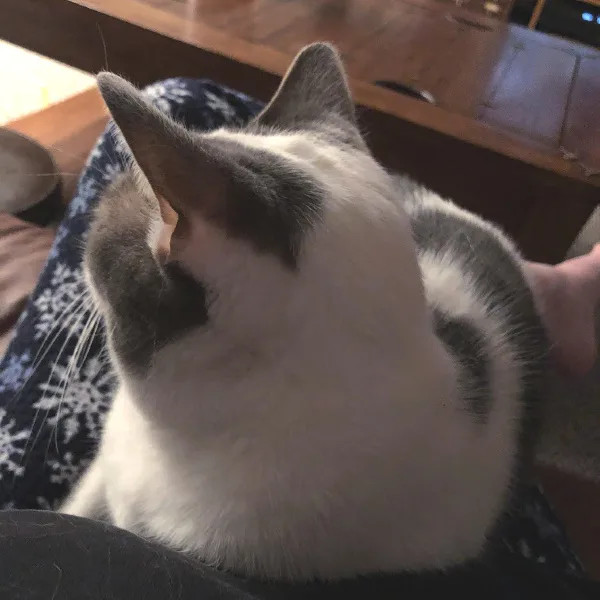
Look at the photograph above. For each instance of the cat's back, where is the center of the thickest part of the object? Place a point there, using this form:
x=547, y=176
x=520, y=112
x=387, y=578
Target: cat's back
x=484, y=313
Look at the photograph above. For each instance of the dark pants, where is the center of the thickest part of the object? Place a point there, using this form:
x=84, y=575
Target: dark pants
x=45, y=555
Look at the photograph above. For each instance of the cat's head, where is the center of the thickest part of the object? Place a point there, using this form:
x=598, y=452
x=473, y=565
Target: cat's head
x=285, y=231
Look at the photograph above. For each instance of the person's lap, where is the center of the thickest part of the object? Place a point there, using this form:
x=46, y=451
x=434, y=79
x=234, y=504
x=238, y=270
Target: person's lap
x=49, y=555
x=49, y=428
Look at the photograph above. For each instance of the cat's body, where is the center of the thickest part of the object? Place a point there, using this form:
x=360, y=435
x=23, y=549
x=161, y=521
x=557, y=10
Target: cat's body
x=340, y=385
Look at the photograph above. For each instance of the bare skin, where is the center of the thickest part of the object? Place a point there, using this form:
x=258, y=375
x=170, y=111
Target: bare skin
x=567, y=295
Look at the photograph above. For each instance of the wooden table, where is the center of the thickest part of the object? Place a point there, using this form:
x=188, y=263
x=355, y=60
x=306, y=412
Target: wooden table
x=495, y=9
x=515, y=134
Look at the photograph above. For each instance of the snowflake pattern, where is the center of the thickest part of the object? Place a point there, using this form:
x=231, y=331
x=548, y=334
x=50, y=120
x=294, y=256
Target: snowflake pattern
x=76, y=397
x=165, y=94
x=95, y=154
x=87, y=189
x=61, y=234
x=110, y=172
x=59, y=305
x=12, y=445
x=16, y=372
x=221, y=106
x=68, y=469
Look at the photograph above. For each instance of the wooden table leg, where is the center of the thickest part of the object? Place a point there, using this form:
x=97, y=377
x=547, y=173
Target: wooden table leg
x=537, y=13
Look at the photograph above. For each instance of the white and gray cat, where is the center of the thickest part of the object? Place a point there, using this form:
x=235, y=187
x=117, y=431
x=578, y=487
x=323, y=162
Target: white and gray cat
x=330, y=371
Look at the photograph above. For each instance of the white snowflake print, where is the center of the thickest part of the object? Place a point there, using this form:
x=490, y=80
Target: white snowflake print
x=86, y=190
x=96, y=152
x=77, y=397
x=219, y=105
x=110, y=171
x=12, y=446
x=164, y=93
x=67, y=469
x=61, y=303
x=61, y=234
x=16, y=372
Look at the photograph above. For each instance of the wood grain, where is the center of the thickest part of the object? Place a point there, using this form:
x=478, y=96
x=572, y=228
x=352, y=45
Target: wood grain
x=498, y=172
x=409, y=52
x=528, y=75
x=581, y=133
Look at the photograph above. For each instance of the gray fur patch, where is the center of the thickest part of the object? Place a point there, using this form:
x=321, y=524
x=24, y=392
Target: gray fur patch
x=313, y=88
x=149, y=305
x=314, y=96
x=498, y=278
x=468, y=346
x=267, y=201
x=251, y=194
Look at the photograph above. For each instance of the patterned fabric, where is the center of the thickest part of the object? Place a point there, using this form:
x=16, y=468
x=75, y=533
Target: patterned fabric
x=55, y=382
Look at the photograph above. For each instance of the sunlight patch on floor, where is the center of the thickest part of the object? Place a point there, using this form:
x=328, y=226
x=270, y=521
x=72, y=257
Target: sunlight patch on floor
x=31, y=82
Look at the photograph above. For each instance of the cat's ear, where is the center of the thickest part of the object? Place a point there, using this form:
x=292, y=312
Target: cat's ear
x=172, y=159
x=313, y=90
x=246, y=193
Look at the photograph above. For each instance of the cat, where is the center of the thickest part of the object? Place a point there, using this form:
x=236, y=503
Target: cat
x=326, y=370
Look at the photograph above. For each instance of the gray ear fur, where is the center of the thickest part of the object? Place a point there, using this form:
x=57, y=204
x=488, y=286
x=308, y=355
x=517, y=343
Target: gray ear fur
x=249, y=194
x=313, y=90
x=165, y=151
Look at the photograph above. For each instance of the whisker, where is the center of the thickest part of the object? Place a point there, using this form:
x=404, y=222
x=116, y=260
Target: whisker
x=31, y=443
x=103, y=46
x=46, y=344
x=76, y=360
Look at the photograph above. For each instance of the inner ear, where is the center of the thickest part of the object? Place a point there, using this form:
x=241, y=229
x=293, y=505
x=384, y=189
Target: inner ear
x=168, y=214
x=313, y=89
x=168, y=226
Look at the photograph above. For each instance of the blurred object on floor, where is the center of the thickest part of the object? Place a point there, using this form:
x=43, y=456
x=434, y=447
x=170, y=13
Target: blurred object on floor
x=68, y=129
x=33, y=82
x=29, y=181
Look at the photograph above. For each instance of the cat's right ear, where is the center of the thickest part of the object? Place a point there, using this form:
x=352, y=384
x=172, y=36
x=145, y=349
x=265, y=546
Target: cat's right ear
x=181, y=170
x=158, y=144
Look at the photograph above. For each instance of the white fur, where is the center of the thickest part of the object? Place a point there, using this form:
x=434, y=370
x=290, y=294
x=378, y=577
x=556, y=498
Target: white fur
x=316, y=429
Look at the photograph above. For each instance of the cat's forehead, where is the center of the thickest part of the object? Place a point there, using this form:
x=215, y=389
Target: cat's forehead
x=293, y=144
x=310, y=154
